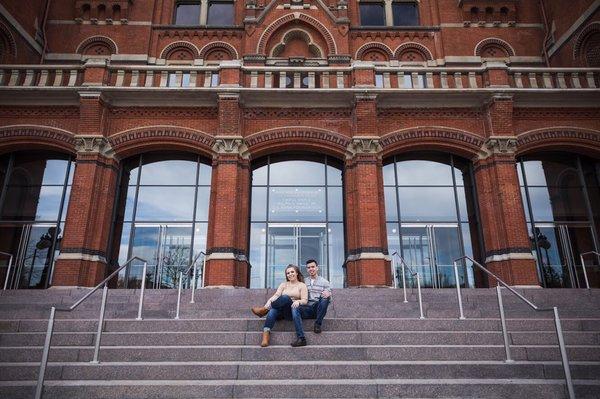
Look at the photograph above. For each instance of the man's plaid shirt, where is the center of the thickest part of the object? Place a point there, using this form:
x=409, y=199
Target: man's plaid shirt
x=315, y=287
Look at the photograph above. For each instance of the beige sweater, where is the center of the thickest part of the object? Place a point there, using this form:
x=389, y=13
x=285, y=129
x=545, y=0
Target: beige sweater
x=297, y=291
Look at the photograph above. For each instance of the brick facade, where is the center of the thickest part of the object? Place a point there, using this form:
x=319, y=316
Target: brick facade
x=299, y=77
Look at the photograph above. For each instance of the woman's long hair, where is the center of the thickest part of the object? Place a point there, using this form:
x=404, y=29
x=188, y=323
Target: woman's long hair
x=298, y=273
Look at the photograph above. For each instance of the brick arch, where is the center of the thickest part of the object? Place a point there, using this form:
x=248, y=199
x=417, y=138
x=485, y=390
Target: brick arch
x=414, y=46
x=373, y=45
x=562, y=138
x=27, y=137
x=295, y=33
x=219, y=45
x=274, y=26
x=587, y=32
x=7, y=37
x=494, y=41
x=180, y=44
x=297, y=138
x=93, y=40
x=158, y=138
x=459, y=142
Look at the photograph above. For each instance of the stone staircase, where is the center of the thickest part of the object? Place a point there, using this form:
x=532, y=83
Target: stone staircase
x=373, y=345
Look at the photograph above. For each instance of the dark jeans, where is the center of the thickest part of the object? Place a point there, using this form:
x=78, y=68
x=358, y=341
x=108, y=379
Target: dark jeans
x=315, y=310
x=281, y=308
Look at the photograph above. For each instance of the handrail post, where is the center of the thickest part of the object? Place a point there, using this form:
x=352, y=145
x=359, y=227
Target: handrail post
x=203, y=270
x=100, y=324
x=193, y=284
x=503, y=324
x=179, y=295
x=40, y=383
x=563, y=354
x=587, y=283
x=403, y=280
x=10, y=259
x=420, y=299
x=460, y=304
x=141, y=305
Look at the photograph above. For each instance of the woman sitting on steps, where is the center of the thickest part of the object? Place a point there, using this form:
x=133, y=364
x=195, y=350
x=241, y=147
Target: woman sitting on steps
x=285, y=304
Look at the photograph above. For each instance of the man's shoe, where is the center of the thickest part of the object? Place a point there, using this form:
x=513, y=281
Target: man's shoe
x=299, y=342
x=317, y=329
x=265, y=338
x=260, y=311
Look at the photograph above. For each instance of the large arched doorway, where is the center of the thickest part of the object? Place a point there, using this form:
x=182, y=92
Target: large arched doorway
x=35, y=189
x=431, y=215
x=561, y=197
x=161, y=216
x=297, y=214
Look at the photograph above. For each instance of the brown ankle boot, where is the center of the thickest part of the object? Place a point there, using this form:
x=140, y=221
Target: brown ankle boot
x=265, y=339
x=260, y=311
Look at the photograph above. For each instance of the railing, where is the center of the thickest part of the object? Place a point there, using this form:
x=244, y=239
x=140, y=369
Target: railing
x=297, y=77
x=554, y=78
x=559, y=333
x=428, y=78
x=163, y=76
x=41, y=75
x=10, y=259
x=53, y=310
x=194, y=277
x=403, y=264
x=585, y=276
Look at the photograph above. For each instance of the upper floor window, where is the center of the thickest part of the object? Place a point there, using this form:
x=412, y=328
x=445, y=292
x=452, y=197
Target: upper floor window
x=187, y=13
x=405, y=13
x=372, y=14
x=220, y=13
x=204, y=12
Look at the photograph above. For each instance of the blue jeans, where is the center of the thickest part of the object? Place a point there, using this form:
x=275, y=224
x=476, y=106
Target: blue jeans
x=315, y=310
x=281, y=308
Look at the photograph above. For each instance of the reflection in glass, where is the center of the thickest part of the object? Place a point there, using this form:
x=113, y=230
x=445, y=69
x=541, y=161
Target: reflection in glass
x=405, y=14
x=427, y=203
x=372, y=14
x=334, y=200
x=220, y=13
x=336, y=254
x=165, y=203
x=187, y=14
x=258, y=249
x=296, y=203
x=259, y=203
x=297, y=173
x=170, y=172
x=202, y=203
x=424, y=173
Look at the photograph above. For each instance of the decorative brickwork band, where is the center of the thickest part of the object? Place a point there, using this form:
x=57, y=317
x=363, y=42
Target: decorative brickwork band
x=559, y=138
x=36, y=136
x=94, y=145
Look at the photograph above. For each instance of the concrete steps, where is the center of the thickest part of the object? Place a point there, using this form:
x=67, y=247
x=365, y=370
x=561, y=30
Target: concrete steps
x=373, y=345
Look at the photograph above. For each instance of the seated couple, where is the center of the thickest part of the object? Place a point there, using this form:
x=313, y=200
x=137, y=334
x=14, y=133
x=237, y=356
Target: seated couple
x=295, y=300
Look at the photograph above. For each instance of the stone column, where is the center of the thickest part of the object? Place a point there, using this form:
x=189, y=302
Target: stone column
x=82, y=259
x=368, y=263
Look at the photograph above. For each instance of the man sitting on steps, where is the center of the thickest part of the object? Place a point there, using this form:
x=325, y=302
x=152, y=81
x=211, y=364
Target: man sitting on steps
x=319, y=295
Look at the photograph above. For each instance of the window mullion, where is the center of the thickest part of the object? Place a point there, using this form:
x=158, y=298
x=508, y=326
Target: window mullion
x=389, y=15
x=203, y=12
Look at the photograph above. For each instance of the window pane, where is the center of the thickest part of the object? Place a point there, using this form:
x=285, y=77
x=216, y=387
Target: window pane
x=32, y=203
x=555, y=204
x=335, y=204
x=462, y=204
x=49, y=203
x=301, y=173
x=187, y=14
x=129, y=202
x=171, y=172
x=391, y=208
x=393, y=238
x=334, y=176
x=525, y=206
x=205, y=175
x=427, y=204
x=3, y=169
x=259, y=176
x=405, y=14
x=297, y=203
x=558, y=172
x=200, y=233
x=422, y=172
x=372, y=14
x=336, y=254
x=220, y=13
x=258, y=257
x=63, y=216
x=35, y=170
x=388, y=175
x=259, y=204
x=165, y=203
x=202, y=203
x=124, y=243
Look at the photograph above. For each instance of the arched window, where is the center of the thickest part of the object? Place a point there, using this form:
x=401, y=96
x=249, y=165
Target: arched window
x=162, y=216
x=35, y=190
x=561, y=197
x=431, y=215
x=297, y=215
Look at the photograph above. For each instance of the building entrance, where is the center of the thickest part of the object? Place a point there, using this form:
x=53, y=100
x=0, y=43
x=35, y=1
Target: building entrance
x=294, y=244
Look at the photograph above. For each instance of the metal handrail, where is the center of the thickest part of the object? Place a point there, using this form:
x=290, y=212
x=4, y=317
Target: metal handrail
x=187, y=273
x=403, y=264
x=10, y=259
x=585, y=276
x=557, y=324
x=50, y=329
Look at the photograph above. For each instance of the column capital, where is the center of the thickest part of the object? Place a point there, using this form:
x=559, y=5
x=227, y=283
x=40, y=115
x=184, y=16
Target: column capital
x=363, y=145
x=89, y=144
x=498, y=145
x=231, y=145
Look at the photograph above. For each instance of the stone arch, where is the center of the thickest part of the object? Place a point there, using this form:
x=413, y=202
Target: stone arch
x=406, y=51
x=19, y=137
x=97, y=46
x=219, y=46
x=314, y=50
x=367, y=48
x=588, y=41
x=182, y=46
x=561, y=138
x=494, y=43
x=459, y=142
x=161, y=137
x=297, y=138
x=8, y=43
x=314, y=23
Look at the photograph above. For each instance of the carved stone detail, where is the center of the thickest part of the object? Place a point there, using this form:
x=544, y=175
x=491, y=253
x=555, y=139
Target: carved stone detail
x=231, y=145
x=363, y=145
x=94, y=144
x=504, y=145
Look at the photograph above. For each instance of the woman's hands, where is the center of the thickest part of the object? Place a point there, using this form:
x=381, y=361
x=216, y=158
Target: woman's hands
x=295, y=304
x=268, y=304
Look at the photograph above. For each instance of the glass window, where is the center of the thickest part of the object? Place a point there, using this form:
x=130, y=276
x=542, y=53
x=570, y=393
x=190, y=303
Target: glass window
x=391, y=206
x=202, y=203
x=259, y=204
x=389, y=178
x=220, y=13
x=427, y=203
x=165, y=203
x=335, y=204
x=296, y=203
x=187, y=13
x=172, y=172
x=405, y=13
x=372, y=14
x=336, y=252
x=424, y=173
x=297, y=173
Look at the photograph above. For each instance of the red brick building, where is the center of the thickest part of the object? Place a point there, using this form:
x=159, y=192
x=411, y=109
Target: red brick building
x=264, y=133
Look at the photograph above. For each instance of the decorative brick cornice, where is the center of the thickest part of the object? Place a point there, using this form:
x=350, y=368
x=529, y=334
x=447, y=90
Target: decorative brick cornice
x=559, y=136
x=431, y=137
x=297, y=113
x=298, y=135
x=231, y=145
x=165, y=112
x=94, y=145
x=41, y=135
x=361, y=145
x=503, y=145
